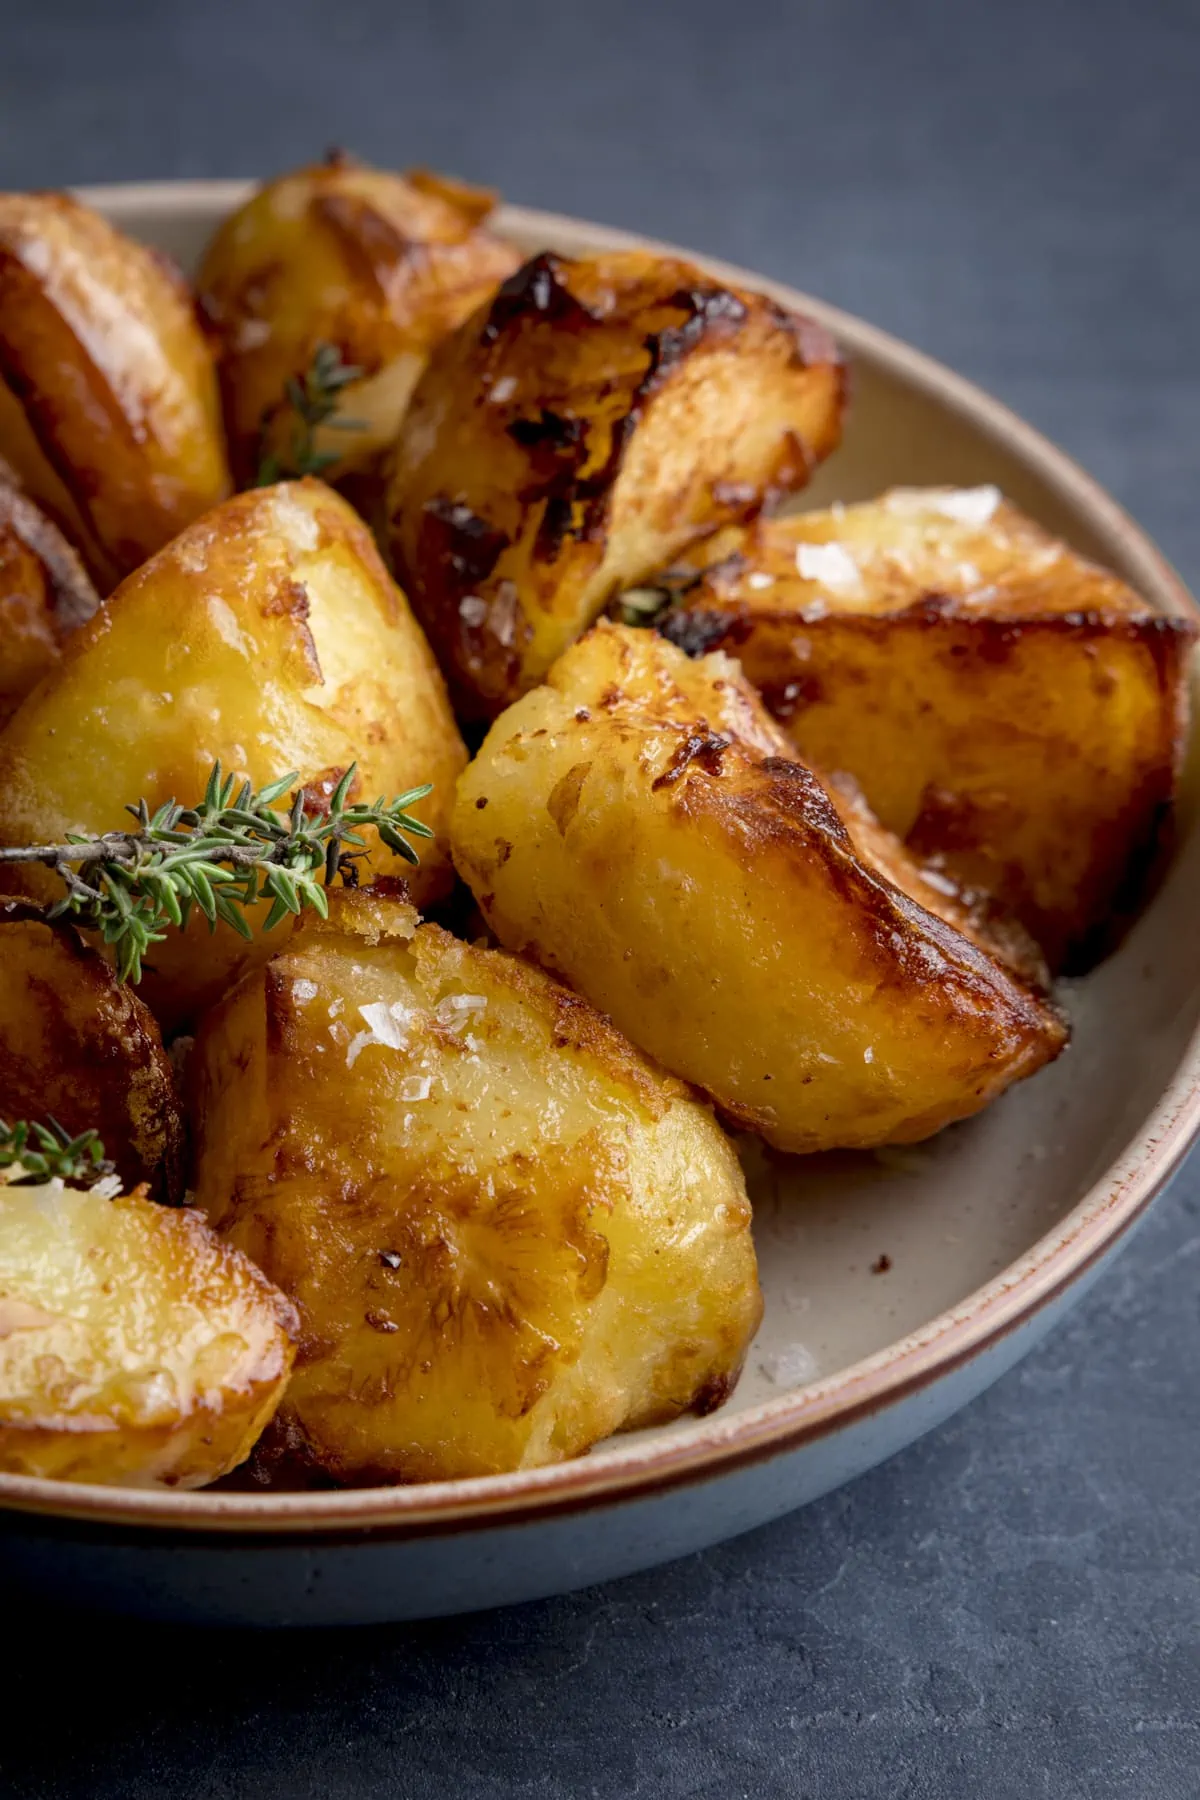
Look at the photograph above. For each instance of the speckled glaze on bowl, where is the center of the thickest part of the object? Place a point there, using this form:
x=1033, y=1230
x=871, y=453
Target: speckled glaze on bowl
x=898, y=1286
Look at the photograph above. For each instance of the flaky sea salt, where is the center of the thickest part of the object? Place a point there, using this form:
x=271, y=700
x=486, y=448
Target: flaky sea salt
x=789, y=1367
x=830, y=564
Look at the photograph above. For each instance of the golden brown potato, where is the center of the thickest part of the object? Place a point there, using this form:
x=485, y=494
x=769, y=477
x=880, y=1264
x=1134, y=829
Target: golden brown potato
x=639, y=826
x=378, y=265
x=44, y=593
x=1012, y=710
x=79, y=1046
x=268, y=635
x=108, y=398
x=136, y=1349
x=508, y=1234
x=577, y=432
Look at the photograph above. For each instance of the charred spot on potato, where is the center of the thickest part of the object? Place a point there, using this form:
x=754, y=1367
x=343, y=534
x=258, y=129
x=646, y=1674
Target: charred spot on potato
x=454, y=535
x=702, y=747
x=536, y=291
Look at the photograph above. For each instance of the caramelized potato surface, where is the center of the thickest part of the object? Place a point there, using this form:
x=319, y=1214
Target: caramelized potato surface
x=77, y=1045
x=268, y=635
x=108, y=398
x=1011, y=709
x=574, y=434
x=136, y=1349
x=640, y=827
x=508, y=1234
x=45, y=593
x=378, y=265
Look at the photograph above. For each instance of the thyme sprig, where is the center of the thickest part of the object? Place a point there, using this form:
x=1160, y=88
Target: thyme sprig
x=221, y=856
x=42, y=1152
x=314, y=402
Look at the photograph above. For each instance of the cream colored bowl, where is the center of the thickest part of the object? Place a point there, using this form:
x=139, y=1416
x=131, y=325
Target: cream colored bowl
x=991, y=1230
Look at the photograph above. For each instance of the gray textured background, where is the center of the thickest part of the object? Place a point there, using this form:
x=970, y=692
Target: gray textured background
x=1009, y=1610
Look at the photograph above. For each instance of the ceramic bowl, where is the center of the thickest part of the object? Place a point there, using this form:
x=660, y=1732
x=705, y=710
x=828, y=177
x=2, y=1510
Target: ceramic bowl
x=990, y=1232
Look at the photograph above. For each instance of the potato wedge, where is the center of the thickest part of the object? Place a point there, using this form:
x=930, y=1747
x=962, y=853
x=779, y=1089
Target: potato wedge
x=136, y=1349
x=640, y=827
x=79, y=1046
x=1008, y=707
x=108, y=399
x=577, y=432
x=508, y=1234
x=45, y=592
x=268, y=635
x=381, y=266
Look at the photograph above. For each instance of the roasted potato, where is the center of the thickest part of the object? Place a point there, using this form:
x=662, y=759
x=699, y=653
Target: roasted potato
x=574, y=434
x=79, y=1046
x=268, y=635
x=45, y=593
x=1011, y=709
x=109, y=410
x=136, y=1349
x=378, y=265
x=640, y=826
x=508, y=1234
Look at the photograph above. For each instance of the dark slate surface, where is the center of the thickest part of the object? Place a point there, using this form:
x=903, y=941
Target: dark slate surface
x=1009, y=1610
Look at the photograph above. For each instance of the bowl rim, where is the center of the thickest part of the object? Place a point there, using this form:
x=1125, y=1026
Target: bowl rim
x=718, y=1445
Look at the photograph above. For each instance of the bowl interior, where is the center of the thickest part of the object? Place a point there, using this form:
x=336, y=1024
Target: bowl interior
x=859, y=1251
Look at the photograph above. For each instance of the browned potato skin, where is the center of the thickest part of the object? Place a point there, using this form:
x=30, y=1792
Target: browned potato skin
x=77, y=1045
x=1014, y=711
x=550, y=1245
x=576, y=433
x=268, y=635
x=45, y=593
x=640, y=826
x=136, y=1349
x=108, y=398
x=380, y=265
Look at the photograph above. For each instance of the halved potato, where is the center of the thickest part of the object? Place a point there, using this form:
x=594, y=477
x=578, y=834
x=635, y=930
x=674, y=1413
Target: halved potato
x=378, y=265
x=577, y=432
x=639, y=826
x=108, y=398
x=268, y=635
x=1007, y=706
x=77, y=1045
x=509, y=1235
x=45, y=593
x=136, y=1349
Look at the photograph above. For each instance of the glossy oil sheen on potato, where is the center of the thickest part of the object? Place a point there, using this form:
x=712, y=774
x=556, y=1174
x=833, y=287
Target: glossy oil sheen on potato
x=108, y=398
x=508, y=1234
x=379, y=265
x=45, y=592
x=577, y=432
x=268, y=635
x=1005, y=705
x=639, y=826
x=77, y=1045
x=136, y=1349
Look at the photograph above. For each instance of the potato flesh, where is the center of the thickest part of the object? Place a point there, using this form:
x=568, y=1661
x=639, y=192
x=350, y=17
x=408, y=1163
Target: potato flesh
x=1013, y=710
x=136, y=1349
x=378, y=264
x=508, y=1235
x=268, y=635
x=576, y=433
x=78, y=1046
x=108, y=397
x=706, y=895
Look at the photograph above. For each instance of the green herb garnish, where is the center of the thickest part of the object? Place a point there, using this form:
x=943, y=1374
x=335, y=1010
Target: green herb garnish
x=314, y=403
x=42, y=1152
x=221, y=856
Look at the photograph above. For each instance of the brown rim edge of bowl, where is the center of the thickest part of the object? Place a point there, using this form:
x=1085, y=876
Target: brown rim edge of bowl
x=727, y=1442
